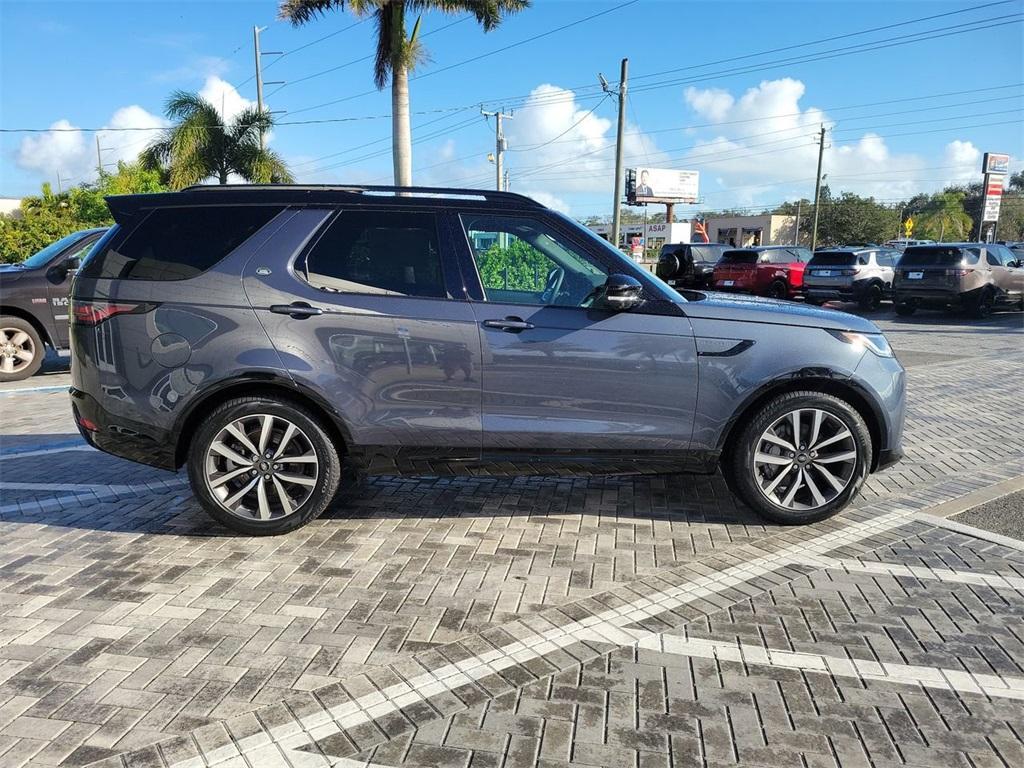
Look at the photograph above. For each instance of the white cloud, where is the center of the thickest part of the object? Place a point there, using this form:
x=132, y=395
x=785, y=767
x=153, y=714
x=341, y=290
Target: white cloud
x=56, y=151
x=548, y=199
x=764, y=150
x=73, y=153
x=559, y=144
x=224, y=97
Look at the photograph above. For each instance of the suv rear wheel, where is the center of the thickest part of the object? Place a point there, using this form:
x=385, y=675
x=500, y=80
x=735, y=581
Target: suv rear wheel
x=906, y=308
x=872, y=297
x=21, y=349
x=801, y=458
x=982, y=306
x=263, y=466
x=778, y=290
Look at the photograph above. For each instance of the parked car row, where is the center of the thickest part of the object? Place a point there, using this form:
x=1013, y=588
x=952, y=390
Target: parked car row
x=976, y=277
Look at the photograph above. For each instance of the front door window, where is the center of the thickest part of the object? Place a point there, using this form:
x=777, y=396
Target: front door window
x=523, y=261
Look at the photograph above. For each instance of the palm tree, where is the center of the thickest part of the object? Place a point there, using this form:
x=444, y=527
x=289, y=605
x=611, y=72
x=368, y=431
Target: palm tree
x=201, y=144
x=398, y=53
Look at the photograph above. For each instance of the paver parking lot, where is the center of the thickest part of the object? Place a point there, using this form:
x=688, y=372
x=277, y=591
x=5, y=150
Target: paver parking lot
x=527, y=621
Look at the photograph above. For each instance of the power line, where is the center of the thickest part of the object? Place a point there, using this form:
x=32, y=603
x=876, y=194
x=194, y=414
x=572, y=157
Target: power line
x=354, y=61
x=479, y=56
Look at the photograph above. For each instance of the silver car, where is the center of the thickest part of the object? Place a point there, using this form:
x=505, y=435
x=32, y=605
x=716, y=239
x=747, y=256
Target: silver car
x=862, y=275
x=258, y=335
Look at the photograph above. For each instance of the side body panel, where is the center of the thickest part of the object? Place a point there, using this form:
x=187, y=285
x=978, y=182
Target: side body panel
x=149, y=369
x=587, y=382
x=401, y=372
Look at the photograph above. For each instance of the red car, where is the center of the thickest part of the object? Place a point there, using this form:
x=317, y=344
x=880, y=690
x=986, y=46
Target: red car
x=766, y=270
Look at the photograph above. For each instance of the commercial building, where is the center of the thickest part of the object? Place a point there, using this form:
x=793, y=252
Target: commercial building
x=638, y=239
x=746, y=231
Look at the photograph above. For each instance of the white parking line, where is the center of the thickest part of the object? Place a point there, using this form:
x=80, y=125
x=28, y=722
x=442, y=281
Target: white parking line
x=994, y=686
x=46, y=451
x=613, y=626
x=917, y=572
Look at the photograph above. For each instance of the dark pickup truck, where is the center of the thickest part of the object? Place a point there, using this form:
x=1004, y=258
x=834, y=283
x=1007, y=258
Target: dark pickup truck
x=34, y=303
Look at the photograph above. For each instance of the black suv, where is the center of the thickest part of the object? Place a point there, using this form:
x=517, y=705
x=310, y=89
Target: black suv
x=34, y=303
x=689, y=265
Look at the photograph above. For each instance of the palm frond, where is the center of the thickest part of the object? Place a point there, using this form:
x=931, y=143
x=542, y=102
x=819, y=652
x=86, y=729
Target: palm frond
x=299, y=12
x=488, y=13
x=385, y=53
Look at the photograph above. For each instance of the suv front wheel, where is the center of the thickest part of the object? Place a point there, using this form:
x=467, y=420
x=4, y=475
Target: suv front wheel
x=263, y=466
x=801, y=458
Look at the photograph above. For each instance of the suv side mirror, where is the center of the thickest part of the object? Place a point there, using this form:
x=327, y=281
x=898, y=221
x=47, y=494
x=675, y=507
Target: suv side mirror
x=620, y=292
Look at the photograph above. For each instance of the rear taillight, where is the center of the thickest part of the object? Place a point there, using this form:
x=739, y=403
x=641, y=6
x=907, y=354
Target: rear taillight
x=958, y=272
x=95, y=312
x=848, y=272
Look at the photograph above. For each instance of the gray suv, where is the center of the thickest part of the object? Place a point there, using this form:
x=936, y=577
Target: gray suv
x=259, y=335
x=863, y=275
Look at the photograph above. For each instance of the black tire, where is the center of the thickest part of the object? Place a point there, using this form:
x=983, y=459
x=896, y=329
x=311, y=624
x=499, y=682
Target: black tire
x=813, y=302
x=983, y=305
x=906, y=308
x=328, y=475
x=739, y=460
x=871, y=298
x=33, y=345
x=778, y=290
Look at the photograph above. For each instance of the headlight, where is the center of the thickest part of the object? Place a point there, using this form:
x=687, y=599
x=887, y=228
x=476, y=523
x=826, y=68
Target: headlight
x=876, y=342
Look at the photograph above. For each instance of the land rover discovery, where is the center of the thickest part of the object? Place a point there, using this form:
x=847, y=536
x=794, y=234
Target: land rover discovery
x=258, y=335
x=977, y=277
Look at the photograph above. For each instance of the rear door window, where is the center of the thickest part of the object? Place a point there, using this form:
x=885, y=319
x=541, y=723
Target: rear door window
x=178, y=243
x=394, y=253
x=937, y=256
x=739, y=257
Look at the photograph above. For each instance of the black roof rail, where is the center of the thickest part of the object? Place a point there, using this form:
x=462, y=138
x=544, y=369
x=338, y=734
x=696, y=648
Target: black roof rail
x=490, y=195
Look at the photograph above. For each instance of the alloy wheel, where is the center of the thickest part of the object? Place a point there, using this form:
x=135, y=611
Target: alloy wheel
x=261, y=467
x=805, y=459
x=17, y=350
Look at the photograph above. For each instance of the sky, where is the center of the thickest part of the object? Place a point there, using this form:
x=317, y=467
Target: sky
x=734, y=90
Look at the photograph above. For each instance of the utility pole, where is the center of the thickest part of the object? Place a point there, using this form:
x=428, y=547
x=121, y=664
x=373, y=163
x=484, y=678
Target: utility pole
x=60, y=188
x=500, y=145
x=623, y=85
x=507, y=186
x=99, y=157
x=796, y=230
x=817, y=187
x=258, y=58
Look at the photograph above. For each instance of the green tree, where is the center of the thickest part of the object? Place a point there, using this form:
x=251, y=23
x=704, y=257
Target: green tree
x=850, y=218
x=516, y=267
x=945, y=219
x=397, y=52
x=47, y=217
x=200, y=145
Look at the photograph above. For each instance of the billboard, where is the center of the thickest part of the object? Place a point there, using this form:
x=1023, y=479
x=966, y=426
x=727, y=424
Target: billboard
x=661, y=185
x=995, y=163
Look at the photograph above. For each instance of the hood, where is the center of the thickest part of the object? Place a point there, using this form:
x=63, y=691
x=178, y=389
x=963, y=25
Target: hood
x=754, y=309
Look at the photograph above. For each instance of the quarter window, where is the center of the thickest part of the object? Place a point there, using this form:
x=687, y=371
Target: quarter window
x=522, y=260
x=393, y=253
x=178, y=243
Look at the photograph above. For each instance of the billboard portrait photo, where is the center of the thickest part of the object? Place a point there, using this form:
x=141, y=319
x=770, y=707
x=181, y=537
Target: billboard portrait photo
x=661, y=185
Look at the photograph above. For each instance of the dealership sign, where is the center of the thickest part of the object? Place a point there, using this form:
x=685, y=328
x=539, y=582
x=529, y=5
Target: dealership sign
x=996, y=164
x=993, y=198
x=661, y=185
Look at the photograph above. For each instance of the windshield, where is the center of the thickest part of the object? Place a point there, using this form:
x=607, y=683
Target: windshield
x=738, y=257
x=668, y=292
x=42, y=258
x=833, y=259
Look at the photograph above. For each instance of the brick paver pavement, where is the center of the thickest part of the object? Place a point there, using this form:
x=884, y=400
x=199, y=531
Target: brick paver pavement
x=125, y=618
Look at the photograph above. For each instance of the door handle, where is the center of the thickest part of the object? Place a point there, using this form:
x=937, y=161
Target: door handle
x=297, y=309
x=510, y=324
